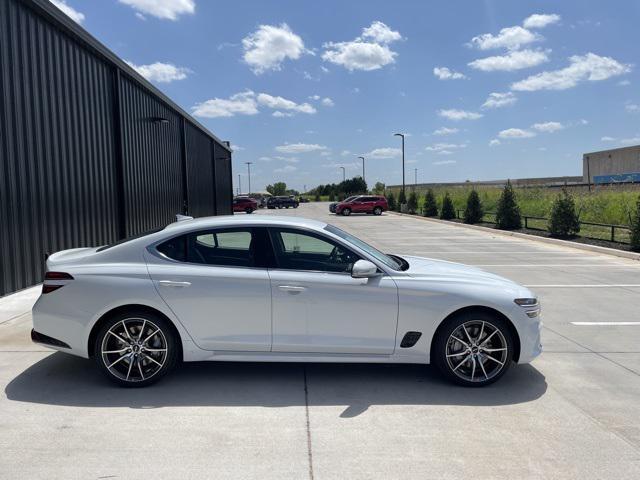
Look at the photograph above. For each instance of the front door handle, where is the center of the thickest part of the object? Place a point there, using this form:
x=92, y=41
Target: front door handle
x=292, y=288
x=171, y=283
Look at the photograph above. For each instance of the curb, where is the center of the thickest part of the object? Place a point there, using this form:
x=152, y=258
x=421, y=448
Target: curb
x=552, y=241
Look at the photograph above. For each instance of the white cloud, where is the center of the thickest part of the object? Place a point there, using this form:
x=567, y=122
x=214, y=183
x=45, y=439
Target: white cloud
x=269, y=46
x=286, y=169
x=243, y=103
x=499, y=100
x=344, y=153
x=510, y=37
x=632, y=108
x=327, y=102
x=453, y=114
x=445, y=148
x=164, y=9
x=443, y=73
x=589, y=67
x=547, y=127
x=265, y=159
x=161, y=72
x=279, y=114
x=624, y=83
x=607, y=139
x=514, y=60
x=280, y=103
x=444, y=162
x=445, y=131
x=380, y=33
x=540, y=20
x=630, y=141
x=367, y=52
x=300, y=148
x=314, y=97
x=69, y=11
x=383, y=153
x=516, y=133
x=494, y=143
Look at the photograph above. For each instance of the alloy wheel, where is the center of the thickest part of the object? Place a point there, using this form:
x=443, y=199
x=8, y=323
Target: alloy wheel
x=134, y=349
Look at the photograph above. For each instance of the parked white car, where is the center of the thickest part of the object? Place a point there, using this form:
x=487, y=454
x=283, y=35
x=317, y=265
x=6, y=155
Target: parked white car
x=281, y=290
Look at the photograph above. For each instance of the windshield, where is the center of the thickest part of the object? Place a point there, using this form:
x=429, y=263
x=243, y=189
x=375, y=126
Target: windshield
x=350, y=199
x=374, y=252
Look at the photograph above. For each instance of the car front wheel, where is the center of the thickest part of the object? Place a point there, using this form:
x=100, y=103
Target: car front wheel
x=135, y=349
x=248, y=210
x=346, y=212
x=474, y=349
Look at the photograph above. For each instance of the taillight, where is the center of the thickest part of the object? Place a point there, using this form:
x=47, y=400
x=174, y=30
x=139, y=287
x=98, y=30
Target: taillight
x=55, y=280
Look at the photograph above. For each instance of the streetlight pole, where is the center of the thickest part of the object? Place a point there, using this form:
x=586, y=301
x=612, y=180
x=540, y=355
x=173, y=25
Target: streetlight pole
x=415, y=179
x=362, y=158
x=344, y=175
x=239, y=185
x=402, y=136
x=249, y=175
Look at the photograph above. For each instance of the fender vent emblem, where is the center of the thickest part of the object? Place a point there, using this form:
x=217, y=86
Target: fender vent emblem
x=410, y=339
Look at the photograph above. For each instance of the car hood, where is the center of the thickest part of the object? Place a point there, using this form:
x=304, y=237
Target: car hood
x=443, y=271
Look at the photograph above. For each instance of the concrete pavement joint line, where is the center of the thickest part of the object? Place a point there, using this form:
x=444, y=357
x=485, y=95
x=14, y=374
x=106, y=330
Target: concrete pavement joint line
x=308, y=423
x=15, y=317
x=588, y=324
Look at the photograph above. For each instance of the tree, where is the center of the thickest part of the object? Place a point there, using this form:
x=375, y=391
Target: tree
x=317, y=197
x=391, y=200
x=277, y=189
x=402, y=199
x=508, y=212
x=430, y=204
x=474, y=212
x=378, y=188
x=635, y=228
x=412, y=203
x=448, y=210
x=332, y=197
x=564, y=219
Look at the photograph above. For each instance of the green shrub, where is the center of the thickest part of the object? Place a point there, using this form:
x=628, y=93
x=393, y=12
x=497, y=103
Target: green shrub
x=430, y=204
x=317, y=197
x=448, y=210
x=563, y=221
x=412, y=203
x=635, y=228
x=332, y=197
x=474, y=212
x=508, y=212
x=391, y=200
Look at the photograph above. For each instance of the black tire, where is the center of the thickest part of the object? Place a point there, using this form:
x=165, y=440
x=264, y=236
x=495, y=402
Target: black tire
x=490, y=371
x=377, y=211
x=135, y=321
x=346, y=212
x=248, y=210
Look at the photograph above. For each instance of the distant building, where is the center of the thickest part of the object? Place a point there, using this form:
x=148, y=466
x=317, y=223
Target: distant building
x=617, y=165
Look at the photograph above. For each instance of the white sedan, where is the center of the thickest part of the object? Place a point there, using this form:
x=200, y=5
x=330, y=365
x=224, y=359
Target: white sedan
x=278, y=290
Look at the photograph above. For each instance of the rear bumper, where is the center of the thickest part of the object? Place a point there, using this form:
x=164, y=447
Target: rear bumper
x=43, y=339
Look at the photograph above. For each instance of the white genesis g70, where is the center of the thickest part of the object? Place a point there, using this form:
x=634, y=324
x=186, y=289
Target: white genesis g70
x=278, y=289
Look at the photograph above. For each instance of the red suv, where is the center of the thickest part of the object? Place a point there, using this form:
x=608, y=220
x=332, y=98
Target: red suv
x=375, y=204
x=244, y=204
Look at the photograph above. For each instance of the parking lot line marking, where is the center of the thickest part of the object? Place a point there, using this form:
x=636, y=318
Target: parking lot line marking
x=586, y=286
x=623, y=324
x=616, y=265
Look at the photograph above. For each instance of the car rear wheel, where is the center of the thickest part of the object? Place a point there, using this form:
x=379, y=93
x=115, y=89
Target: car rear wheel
x=248, y=210
x=136, y=349
x=377, y=211
x=346, y=212
x=474, y=349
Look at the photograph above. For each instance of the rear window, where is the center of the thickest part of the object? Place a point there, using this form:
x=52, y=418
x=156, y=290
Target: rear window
x=128, y=239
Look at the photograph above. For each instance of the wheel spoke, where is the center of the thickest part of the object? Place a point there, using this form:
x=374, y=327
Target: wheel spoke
x=129, y=370
x=461, y=341
x=118, y=360
x=489, y=337
x=118, y=337
x=126, y=330
x=481, y=332
x=491, y=350
x=140, y=369
x=460, y=364
x=483, y=370
x=473, y=368
x=449, y=355
x=494, y=359
x=467, y=333
x=116, y=351
x=147, y=339
x=152, y=359
x=144, y=323
x=155, y=349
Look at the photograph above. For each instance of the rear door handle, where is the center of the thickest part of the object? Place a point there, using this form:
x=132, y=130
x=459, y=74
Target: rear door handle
x=171, y=283
x=292, y=288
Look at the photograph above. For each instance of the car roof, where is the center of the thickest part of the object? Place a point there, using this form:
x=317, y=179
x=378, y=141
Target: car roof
x=235, y=220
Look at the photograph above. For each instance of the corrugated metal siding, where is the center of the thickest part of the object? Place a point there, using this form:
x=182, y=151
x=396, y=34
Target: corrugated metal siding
x=57, y=175
x=200, y=178
x=83, y=159
x=152, y=160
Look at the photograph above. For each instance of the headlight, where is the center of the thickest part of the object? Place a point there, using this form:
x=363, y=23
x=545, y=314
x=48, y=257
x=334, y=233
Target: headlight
x=526, y=302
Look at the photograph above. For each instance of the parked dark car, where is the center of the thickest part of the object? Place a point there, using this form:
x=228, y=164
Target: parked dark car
x=282, y=202
x=244, y=204
x=333, y=205
x=375, y=204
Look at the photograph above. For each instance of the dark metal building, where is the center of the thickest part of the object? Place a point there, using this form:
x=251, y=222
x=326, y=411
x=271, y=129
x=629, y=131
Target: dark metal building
x=90, y=152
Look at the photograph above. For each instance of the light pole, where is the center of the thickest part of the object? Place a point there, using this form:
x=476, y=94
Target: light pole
x=249, y=175
x=344, y=175
x=415, y=177
x=362, y=158
x=239, y=185
x=402, y=136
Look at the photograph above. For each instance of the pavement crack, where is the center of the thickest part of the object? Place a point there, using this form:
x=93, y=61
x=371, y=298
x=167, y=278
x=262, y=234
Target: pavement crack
x=308, y=424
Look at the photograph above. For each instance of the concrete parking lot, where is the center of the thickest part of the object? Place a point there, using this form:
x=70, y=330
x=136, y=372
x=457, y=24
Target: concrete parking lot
x=573, y=413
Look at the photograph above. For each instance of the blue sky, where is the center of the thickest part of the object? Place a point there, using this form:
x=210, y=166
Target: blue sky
x=482, y=89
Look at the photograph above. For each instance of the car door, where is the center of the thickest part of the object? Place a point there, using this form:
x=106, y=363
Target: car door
x=217, y=284
x=318, y=307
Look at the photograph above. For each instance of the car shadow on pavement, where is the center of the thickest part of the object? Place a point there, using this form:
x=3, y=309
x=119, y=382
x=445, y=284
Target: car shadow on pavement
x=64, y=380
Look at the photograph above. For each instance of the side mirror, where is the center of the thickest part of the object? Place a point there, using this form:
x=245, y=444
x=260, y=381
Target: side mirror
x=364, y=269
